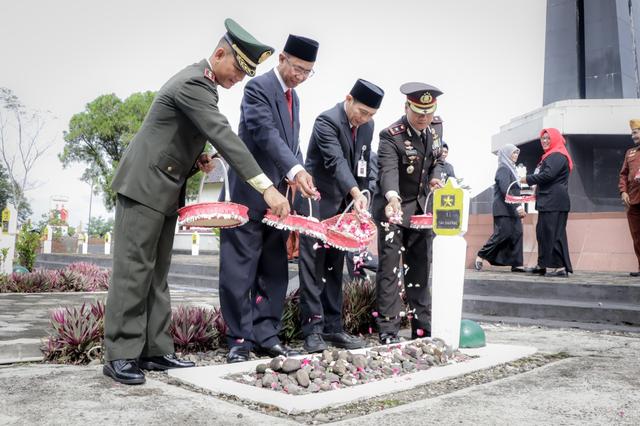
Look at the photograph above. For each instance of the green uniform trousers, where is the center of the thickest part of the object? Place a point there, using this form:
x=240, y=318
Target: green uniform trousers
x=138, y=311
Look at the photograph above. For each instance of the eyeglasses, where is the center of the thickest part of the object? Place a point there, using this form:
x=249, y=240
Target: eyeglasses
x=299, y=70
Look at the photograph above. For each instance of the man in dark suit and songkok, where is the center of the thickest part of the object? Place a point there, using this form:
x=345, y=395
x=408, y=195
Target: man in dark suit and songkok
x=338, y=159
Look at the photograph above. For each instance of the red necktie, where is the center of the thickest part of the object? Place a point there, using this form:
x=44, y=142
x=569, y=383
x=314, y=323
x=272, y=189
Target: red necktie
x=287, y=95
x=353, y=133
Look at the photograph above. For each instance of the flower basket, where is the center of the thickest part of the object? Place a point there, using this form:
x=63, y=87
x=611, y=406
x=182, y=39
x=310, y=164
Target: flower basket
x=422, y=221
x=214, y=214
x=526, y=195
x=305, y=225
x=348, y=232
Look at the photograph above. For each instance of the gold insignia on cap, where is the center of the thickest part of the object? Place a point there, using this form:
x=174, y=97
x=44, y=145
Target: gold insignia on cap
x=265, y=55
x=426, y=98
x=245, y=63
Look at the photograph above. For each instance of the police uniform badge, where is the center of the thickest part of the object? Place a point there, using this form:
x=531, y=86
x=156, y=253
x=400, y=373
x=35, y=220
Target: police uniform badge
x=208, y=74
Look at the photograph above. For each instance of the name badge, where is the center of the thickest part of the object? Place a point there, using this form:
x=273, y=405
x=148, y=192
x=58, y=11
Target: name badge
x=362, y=168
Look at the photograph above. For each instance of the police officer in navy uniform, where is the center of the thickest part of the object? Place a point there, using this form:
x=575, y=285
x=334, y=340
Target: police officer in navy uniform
x=409, y=167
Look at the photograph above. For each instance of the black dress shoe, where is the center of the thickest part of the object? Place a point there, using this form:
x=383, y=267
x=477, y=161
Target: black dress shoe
x=164, y=362
x=558, y=273
x=314, y=343
x=389, y=338
x=634, y=274
x=343, y=340
x=124, y=371
x=536, y=270
x=517, y=269
x=278, y=349
x=238, y=354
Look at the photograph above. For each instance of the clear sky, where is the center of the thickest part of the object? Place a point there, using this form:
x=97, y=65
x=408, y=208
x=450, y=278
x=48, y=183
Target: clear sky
x=486, y=56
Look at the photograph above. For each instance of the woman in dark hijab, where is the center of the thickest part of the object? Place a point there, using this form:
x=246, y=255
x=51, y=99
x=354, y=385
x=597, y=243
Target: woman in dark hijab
x=552, y=202
x=504, y=247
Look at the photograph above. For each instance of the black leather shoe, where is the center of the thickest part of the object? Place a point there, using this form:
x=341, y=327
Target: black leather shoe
x=314, y=343
x=343, y=340
x=164, y=362
x=517, y=269
x=389, y=338
x=124, y=371
x=278, y=349
x=558, y=273
x=238, y=354
x=536, y=270
x=634, y=274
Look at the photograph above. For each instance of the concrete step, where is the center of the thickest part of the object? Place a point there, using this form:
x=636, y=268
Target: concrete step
x=553, y=309
x=587, y=292
x=551, y=323
x=194, y=281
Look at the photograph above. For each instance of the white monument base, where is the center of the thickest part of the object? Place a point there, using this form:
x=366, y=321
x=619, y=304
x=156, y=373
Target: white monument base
x=447, y=286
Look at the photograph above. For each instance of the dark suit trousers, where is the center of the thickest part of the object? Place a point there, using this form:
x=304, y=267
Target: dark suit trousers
x=253, y=283
x=320, y=274
x=633, y=216
x=138, y=311
x=551, y=233
x=415, y=278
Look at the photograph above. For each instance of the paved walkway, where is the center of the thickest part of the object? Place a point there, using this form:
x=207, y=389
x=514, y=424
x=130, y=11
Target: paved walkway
x=597, y=384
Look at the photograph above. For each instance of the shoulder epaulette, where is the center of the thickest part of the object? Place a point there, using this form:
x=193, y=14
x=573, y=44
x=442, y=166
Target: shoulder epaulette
x=208, y=74
x=396, y=129
x=437, y=120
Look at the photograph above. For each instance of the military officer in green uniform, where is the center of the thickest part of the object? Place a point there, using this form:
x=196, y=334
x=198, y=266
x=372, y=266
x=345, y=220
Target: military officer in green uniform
x=150, y=183
x=409, y=166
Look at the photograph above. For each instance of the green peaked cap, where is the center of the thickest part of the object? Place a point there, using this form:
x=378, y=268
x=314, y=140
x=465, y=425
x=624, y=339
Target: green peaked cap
x=248, y=51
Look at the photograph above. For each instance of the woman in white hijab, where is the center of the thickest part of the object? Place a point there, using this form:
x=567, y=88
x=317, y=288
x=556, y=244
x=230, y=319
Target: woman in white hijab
x=504, y=247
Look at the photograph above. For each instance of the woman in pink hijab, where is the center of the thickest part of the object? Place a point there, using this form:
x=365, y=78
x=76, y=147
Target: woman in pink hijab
x=552, y=202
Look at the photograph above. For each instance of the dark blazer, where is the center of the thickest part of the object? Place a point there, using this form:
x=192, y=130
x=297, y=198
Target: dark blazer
x=332, y=159
x=552, y=179
x=266, y=129
x=393, y=167
x=182, y=117
x=503, y=179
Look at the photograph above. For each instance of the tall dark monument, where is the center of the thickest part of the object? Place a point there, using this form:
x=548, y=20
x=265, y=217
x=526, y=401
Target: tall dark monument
x=591, y=90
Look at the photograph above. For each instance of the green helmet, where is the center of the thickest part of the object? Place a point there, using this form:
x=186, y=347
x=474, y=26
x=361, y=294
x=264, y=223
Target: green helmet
x=19, y=269
x=471, y=335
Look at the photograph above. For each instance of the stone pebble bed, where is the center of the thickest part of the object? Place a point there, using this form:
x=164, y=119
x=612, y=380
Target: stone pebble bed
x=336, y=369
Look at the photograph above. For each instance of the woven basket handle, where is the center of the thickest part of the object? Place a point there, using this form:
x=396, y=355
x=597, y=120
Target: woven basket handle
x=227, y=197
x=509, y=187
x=363, y=192
x=286, y=195
x=426, y=201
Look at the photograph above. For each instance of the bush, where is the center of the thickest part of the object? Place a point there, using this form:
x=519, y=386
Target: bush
x=195, y=328
x=358, y=305
x=75, y=277
x=27, y=245
x=291, y=327
x=77, y=334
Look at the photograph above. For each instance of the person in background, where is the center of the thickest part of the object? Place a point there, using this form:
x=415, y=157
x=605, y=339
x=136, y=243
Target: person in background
x=253, y=258
x=553, y=204
x=447, y=168
x=150, y=182
x=629, y=186
x=504, y=247
x=338, y=159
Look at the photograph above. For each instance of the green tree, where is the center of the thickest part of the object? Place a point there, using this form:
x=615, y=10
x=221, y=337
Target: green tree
x=99, y=135
x=21, y=146
x=99, y=226
x=5, y=187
